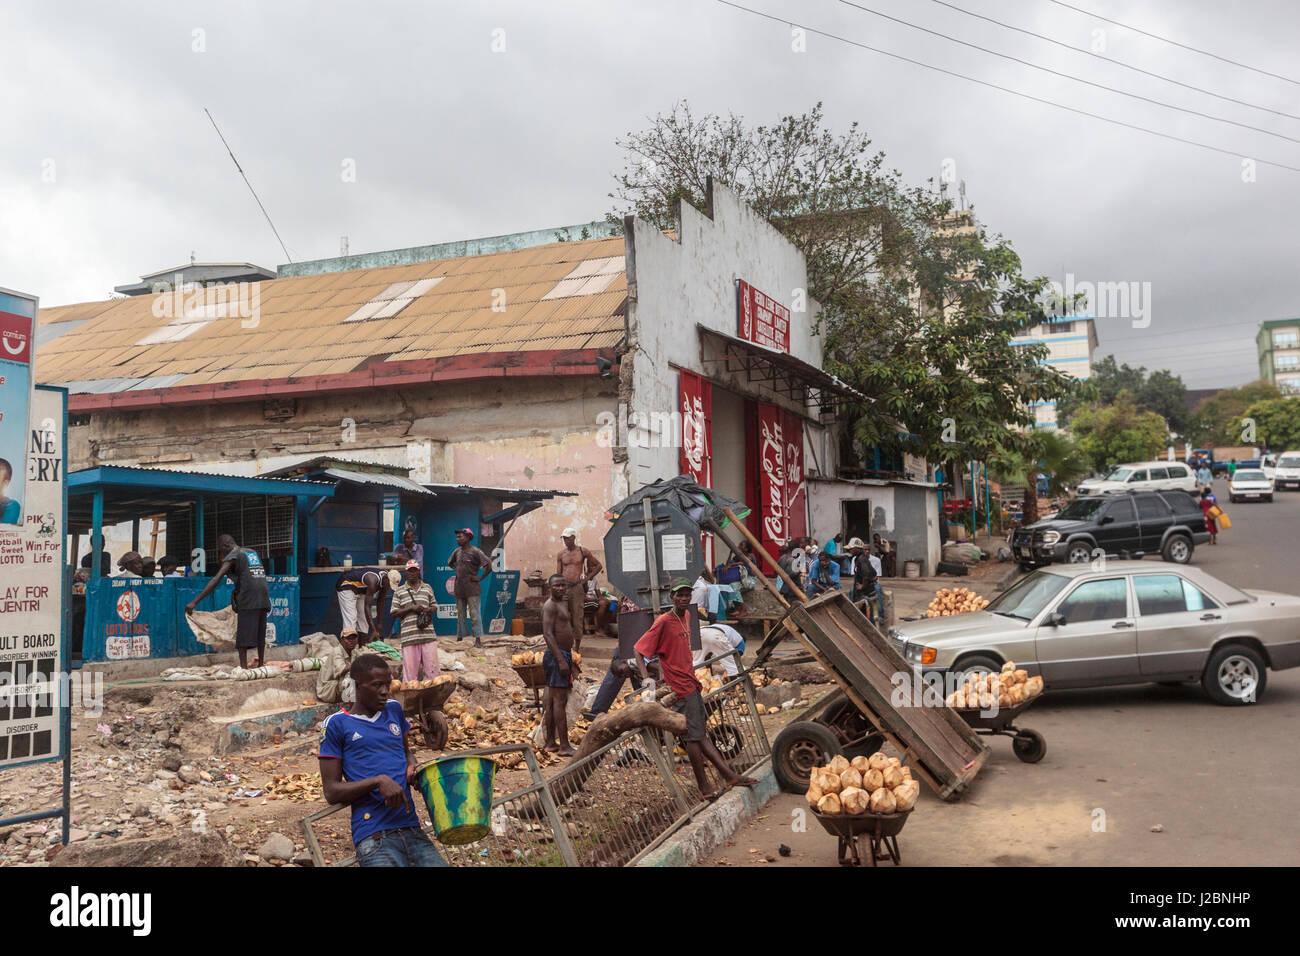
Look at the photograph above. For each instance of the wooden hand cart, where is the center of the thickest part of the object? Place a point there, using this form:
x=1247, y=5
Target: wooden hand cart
x=423, y=705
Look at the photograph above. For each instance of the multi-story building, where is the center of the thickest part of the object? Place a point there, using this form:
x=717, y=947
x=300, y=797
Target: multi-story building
x=1072, y=342
x=1278, y=344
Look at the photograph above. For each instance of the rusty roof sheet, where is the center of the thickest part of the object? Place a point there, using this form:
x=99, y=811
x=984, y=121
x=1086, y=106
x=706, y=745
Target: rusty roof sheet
x=565, y=295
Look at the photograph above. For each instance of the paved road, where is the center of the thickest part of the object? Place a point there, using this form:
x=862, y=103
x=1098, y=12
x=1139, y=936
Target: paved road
x=1224, y=783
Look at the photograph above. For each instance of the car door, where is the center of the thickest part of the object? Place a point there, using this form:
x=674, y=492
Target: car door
x=1154, y=519
x=1158, y=479
x=1096, y=643
x=1117, y=526
x=1177, y=624
x=1138, y=480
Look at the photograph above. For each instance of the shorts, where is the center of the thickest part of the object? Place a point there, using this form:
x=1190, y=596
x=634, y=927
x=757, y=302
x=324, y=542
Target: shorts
x=552, y=669
x=693, y=707
x=250, y=628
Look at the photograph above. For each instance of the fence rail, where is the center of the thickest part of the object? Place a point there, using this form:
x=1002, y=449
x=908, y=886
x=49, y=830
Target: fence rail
x=617, y=802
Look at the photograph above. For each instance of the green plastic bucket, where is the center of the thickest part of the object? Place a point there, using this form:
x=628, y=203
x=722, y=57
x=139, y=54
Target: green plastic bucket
x=458, y=794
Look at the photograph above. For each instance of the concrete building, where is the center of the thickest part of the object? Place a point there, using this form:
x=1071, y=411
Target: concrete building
x=1278, y=345
x=1072, y=342
x=591, y=365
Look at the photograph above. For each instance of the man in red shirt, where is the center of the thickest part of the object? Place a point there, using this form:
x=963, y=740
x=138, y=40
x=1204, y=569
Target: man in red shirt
x=669, y=638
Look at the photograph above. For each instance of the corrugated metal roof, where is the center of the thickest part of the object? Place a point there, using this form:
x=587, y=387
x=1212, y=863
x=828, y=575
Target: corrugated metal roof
x=332, y=323
x=377, y=478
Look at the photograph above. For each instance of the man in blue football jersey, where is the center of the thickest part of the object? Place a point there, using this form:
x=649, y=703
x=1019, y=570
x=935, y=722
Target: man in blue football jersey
x=366, y=760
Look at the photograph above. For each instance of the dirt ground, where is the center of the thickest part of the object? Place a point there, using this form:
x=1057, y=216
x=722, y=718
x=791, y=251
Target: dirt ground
x=147, y=767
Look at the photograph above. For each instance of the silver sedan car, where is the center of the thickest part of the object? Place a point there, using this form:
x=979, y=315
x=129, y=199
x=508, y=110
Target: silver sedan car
x=1127, y=623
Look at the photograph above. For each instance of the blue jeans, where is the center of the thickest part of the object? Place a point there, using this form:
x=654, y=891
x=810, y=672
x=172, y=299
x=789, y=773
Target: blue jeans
x=880, y=597
x=608, y=692
x=469, y=604
x=405, y=847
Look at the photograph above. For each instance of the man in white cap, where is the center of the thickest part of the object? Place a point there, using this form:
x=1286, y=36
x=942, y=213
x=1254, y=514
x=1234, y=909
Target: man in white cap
x=577, y=565
x=359, y=591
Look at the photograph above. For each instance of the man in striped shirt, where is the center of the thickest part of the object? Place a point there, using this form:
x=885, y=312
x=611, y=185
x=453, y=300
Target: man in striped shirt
x=414, y=605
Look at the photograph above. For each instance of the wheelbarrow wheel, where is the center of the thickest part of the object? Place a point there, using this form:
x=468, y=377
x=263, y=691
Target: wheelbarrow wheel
x=1029, y=745
x=728, y=741
x=798, y=748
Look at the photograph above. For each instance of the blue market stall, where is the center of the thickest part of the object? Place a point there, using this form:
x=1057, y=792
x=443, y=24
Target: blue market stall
x=364, y=518
x=145, y=617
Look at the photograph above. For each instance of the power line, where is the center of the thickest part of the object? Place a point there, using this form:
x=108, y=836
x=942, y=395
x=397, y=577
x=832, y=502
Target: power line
x=1184, y=46
x=1110, y=59
x=250, y=186
x=1068, y=76
x=1004, y=89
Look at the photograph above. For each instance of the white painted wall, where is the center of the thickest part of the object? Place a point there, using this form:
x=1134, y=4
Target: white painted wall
x=675, y=284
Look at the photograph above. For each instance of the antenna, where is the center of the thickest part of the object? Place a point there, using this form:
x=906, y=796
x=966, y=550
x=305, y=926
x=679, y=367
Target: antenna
x=249, y=185
x=343, y=246
x=961, y=191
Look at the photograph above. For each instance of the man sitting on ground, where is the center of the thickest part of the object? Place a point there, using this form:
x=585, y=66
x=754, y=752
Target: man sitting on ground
x=825, y=575
x=366, y=760
x=334, y=683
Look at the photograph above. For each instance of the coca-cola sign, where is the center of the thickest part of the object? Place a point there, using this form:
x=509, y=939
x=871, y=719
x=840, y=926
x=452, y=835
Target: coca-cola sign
x=761, y=319
x=772, y=452
x=696, y=411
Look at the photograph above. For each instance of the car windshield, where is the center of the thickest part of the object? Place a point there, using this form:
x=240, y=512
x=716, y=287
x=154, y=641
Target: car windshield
x=1289, y=461
x=1028, y=596
x=1118, y=474
x=1249, y=475
x=1081, y=509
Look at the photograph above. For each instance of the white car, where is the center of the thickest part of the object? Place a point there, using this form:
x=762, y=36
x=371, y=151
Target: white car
x=1287, y=473
x=1268, y=464
x=1250, y=484
x=1142, y=476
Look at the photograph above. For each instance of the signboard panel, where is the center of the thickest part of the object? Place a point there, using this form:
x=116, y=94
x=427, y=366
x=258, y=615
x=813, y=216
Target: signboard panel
x=761, y=319
x=32, y=644
x=783, y=496
x=17, y=328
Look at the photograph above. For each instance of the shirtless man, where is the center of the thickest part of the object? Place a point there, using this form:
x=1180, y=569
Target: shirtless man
x=576, y=565
x=558, y=664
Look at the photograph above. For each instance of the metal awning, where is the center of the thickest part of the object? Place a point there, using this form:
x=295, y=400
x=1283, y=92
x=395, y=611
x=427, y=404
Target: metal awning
x=506, y=494
x=126, y=493
x=394, y=482
x=807, y=384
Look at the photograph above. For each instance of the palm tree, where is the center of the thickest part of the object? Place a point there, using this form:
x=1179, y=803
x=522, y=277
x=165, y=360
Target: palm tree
x=1051, y=454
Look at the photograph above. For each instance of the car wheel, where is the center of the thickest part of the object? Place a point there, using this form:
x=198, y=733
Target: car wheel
x=1235, y=676
x=1177, y=549
x=1025, y=566
x=975, y=664
x=1232, y=498
x=1079, y=553
x=1269, y=499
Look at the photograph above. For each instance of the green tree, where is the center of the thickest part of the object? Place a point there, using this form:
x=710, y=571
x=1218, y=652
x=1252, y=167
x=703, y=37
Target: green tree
x=1119, y=432
x=1215, y=419
x=1161, y=392
x=917, y=314
x=1274, y=423
x=1051, y=454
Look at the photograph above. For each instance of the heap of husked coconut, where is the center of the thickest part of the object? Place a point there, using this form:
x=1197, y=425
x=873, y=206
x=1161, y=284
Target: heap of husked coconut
x=949, y=601
x=875, y=784
x=1013, y=686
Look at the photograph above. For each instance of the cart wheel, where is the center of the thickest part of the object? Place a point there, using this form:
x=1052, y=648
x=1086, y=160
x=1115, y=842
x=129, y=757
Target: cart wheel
x=798, y=748
x=728, y=741
x=435, y=731
x=1029, y=745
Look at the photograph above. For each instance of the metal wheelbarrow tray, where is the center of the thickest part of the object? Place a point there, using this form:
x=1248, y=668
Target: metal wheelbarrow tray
x=1029, y=745
x=423, y=705
x=880, y=829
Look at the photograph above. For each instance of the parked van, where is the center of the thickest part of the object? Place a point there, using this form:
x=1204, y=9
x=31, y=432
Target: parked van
x=1142, y=476
x=1287, y=473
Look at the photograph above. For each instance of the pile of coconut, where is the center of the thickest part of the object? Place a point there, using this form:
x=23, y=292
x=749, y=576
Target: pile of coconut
x=875, y=784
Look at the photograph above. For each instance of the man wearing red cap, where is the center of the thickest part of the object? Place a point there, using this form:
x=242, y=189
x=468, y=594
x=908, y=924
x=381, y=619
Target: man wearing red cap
x=466, y=562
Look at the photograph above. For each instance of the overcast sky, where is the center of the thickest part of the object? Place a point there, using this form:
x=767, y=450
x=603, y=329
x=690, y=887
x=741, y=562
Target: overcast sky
x=111, y=169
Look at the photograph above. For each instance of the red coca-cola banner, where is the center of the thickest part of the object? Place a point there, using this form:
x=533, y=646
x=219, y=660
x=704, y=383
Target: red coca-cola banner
x=696, y=460
x=696, y=408
x=783, y=498
x=761, y=319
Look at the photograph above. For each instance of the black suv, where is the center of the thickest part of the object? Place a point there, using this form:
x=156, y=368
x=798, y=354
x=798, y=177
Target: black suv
x=1130, y=525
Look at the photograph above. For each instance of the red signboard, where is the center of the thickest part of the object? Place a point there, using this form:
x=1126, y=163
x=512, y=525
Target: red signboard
x=696, y=408
x=783, y=497
x=15, y=338
x=762, y=319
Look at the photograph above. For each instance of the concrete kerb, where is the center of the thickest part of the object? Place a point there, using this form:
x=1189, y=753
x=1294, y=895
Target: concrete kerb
x=715, y=824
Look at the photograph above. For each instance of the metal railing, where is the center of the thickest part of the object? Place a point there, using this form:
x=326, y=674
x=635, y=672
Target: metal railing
x=615, y=803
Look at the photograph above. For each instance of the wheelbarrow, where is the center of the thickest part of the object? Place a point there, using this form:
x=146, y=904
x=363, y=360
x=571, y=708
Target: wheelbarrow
x=879, y=829
x=423, y=705
x=1029, y=745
